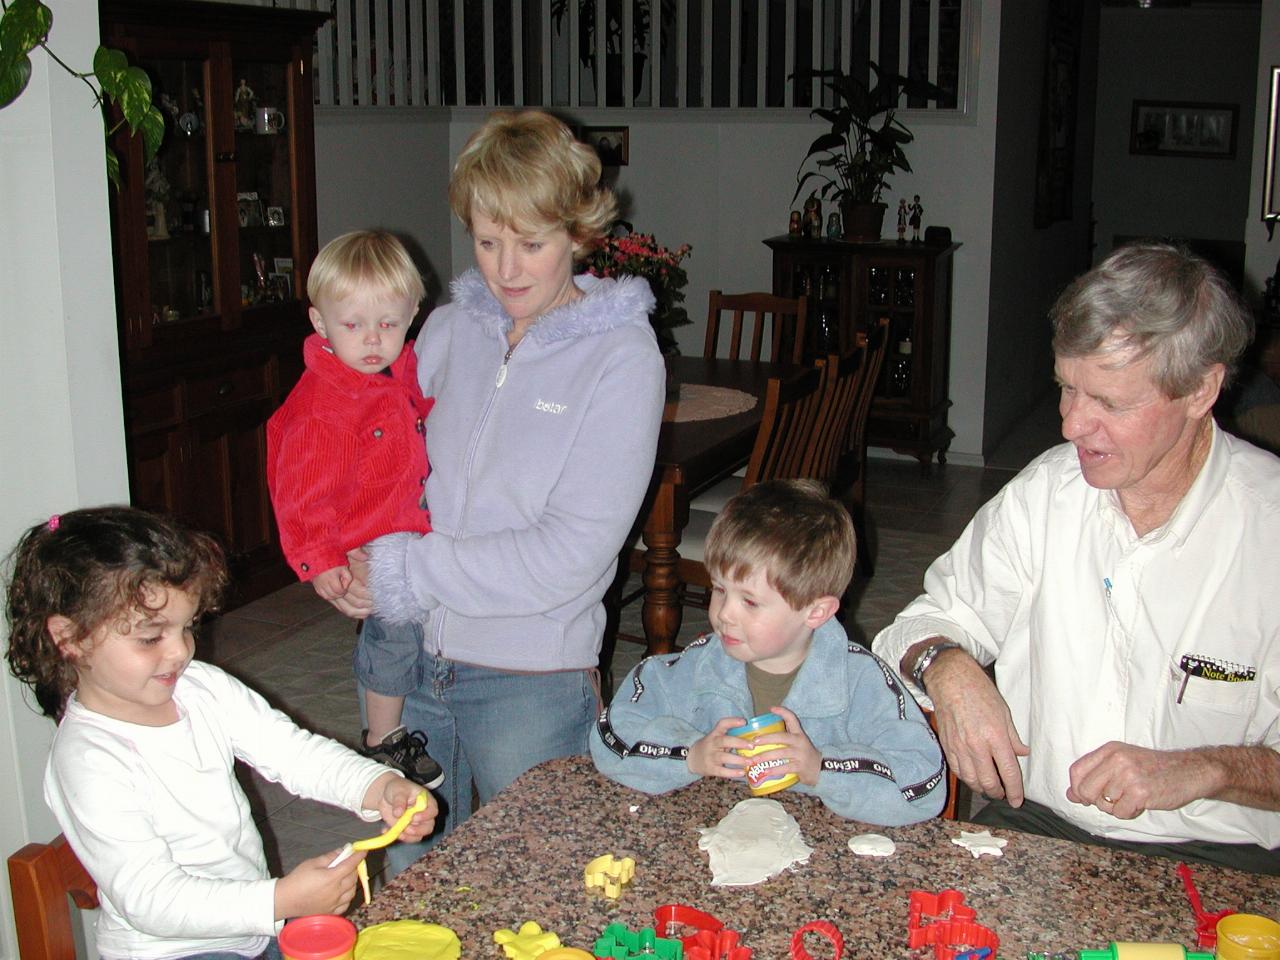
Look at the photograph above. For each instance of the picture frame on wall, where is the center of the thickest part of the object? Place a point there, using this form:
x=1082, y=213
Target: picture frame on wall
x=612, y=144
x=1165, y=128
x=1271, y=173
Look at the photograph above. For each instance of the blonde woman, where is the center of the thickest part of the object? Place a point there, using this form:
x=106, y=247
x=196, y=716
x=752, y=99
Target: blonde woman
x=549, y=392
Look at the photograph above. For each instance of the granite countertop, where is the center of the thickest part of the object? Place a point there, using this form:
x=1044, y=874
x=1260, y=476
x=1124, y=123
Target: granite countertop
x=521, y=858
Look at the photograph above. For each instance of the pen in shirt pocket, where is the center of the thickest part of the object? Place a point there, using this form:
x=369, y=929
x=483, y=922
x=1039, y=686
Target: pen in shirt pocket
x=1211, y=668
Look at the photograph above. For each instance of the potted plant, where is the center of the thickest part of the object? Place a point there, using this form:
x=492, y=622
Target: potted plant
x=864, y=146
x=640, y=254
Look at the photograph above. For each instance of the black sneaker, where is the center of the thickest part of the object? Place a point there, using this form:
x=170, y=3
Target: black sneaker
x=407, y=752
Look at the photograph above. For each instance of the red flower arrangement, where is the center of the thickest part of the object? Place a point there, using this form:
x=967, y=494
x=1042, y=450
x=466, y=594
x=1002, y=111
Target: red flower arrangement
x=639, y=254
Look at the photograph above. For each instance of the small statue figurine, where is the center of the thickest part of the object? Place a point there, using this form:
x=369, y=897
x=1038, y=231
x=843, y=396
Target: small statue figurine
x=917, y=211
x=243, y=105
x=794, y=227
x=813, y=217
x=902, y=219
x=260, y=276
x=833, y=226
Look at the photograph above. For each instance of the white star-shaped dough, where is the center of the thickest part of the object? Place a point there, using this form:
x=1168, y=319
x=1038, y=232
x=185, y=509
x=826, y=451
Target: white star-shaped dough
x=980, y=843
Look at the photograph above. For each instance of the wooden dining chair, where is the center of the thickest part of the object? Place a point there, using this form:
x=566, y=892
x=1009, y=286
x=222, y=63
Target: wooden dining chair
x=851, y=472
x=749, y=314
x=781, y=446
x=842, y=378
x=950, y=809
x=41, y=877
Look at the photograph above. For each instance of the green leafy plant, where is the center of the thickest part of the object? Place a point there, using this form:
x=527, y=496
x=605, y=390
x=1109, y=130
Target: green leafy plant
x=25, y=25
x=855, y=158
x=640, y=254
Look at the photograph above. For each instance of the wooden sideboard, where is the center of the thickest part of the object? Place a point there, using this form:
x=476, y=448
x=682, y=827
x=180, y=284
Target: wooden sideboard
x=911, y=285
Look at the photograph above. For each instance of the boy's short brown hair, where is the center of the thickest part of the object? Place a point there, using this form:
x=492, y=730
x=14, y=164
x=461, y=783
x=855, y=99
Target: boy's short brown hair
x=793, y=530
x=526, y=171
x=364, y=257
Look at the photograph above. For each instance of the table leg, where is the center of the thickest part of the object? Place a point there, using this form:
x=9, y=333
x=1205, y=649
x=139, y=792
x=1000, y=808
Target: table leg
x=662, y=613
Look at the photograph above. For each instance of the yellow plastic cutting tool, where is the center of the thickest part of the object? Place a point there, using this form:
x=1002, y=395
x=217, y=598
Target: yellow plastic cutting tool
x=380, y=841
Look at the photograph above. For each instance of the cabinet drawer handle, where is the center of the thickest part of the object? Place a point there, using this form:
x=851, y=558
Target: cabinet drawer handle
x=228, y=157
x=225, y=389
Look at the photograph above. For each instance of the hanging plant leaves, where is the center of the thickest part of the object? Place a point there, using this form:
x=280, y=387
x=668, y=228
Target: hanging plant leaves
x=23, y=25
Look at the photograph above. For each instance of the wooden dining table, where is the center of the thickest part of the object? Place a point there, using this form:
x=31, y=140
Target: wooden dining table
x=521, y=857
x=692, y=455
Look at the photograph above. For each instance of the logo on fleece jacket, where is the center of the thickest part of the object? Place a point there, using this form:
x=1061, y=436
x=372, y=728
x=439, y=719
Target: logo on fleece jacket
x=549, y=406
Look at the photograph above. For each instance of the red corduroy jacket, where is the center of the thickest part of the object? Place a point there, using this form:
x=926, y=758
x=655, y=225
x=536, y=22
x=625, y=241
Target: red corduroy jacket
x=346, y=461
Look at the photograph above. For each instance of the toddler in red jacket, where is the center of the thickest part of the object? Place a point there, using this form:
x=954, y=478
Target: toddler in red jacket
x=346, y=462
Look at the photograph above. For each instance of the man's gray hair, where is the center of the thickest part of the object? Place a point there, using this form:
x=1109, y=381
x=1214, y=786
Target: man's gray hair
x=1155, y=300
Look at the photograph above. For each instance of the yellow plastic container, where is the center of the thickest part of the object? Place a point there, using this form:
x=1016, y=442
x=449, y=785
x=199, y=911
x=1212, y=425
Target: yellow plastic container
x=1247, y=936
x=762, y=775
x=319, y=937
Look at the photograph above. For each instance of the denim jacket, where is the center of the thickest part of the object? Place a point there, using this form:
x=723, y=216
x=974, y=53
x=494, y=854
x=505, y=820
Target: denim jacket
x=881, y=763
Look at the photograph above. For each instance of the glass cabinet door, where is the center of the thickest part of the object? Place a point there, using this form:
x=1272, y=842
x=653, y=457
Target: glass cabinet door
x=176, y=188
x=264, y=184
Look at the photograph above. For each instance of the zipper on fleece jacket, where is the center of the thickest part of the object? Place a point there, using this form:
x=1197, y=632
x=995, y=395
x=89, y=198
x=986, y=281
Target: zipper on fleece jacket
x=499, y=380
x=502, y=370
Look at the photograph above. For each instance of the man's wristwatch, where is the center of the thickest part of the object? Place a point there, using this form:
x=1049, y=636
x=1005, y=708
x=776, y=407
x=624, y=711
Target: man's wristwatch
x=927, y=656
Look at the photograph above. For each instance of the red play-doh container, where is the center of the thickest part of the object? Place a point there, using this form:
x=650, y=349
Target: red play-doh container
x=319, y=937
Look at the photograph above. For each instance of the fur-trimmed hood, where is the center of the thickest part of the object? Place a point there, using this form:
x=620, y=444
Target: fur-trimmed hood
x=606, y=305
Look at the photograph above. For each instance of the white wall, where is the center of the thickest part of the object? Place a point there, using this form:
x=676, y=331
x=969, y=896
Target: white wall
x=388, y=169
x=1261, y=253
x=62, y=436
x=1179, y=54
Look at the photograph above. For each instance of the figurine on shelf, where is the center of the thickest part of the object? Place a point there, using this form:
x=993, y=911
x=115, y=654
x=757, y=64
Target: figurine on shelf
x=170, y=106
x=794, y=227
x=260, y=277
x=902, y=219
x=813, y=218
x=244, y=102
x=917, y=212
x=833, y=226
x=156, y=189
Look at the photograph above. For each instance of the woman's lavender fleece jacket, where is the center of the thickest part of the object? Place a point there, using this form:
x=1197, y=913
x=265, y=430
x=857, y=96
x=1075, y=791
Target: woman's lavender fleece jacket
x=535, y=483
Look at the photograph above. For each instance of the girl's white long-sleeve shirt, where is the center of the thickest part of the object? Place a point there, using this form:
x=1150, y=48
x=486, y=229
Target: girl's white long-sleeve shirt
x=157, y=816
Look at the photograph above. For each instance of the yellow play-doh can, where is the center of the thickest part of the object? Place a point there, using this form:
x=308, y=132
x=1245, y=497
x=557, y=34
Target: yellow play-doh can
x=762, y=775
x=1247, y=936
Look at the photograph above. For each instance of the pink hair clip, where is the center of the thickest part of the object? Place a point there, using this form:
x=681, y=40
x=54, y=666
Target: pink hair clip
x=54, y=522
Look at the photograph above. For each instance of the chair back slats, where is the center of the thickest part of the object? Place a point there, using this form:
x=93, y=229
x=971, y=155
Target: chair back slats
x=842, y=377
x=784, y=316
x=41, y=876
x=786, y=428
x=877, y=342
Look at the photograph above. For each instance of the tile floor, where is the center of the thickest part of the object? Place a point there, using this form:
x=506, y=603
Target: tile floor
x=296, y=650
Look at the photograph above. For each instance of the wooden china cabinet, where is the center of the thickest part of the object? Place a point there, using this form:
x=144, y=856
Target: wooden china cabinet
x=911, y=285
x=213, y=240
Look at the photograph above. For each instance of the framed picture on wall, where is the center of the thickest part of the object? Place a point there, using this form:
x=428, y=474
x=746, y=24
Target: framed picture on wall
x=611, y=143
x=1271, y=175
x=1174, y=129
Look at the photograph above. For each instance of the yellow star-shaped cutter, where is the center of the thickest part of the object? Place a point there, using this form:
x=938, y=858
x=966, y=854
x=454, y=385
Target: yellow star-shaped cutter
x=532, y=941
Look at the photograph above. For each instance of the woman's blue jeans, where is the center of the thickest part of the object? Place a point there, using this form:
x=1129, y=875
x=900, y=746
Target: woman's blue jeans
x=489, y=726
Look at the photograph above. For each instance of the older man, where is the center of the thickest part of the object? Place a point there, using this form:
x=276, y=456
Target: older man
x=1125, y=587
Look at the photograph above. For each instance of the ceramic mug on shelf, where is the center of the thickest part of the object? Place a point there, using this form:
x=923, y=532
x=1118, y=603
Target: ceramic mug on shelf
x=268, y=120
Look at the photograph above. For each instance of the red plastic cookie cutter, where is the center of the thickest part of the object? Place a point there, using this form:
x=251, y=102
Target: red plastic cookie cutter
x=709, y=939
x=823, y=927
x=721, y=945
x=672, y=919
x=1206, y=923
x=944, y=922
